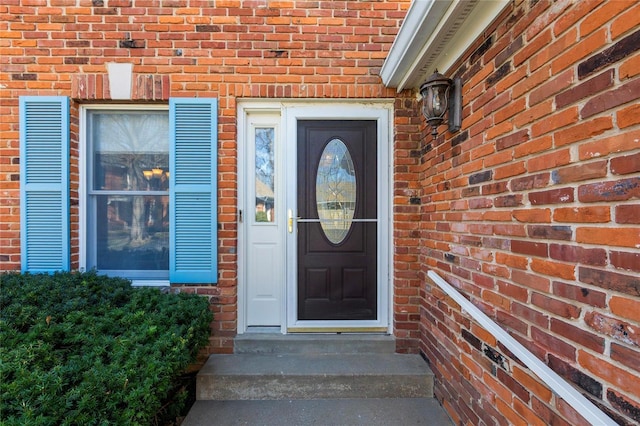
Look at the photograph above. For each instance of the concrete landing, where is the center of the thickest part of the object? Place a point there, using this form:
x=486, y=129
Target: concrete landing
x=334, y=412
x=313, y=343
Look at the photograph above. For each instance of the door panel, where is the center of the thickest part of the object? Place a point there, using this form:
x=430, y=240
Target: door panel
x=265, y=271
x=337, y=229
x=264, y=292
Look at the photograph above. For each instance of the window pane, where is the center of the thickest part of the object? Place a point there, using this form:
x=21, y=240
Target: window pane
x=336, y=191
x=132, y=232
x=265, y=175
x=128, y=231
x=131, y=150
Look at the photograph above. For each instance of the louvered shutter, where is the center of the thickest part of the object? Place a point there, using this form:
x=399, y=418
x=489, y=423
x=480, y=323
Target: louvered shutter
x=193, y=190
x=44, y=183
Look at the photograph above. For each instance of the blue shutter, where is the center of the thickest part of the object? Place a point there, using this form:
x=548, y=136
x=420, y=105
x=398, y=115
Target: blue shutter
x=193, y=129
x=44, y=183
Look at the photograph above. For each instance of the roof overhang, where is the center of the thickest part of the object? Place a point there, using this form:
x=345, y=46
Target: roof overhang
x=435, y=33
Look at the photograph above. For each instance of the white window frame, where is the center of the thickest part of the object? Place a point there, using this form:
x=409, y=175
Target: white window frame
x=83, y=183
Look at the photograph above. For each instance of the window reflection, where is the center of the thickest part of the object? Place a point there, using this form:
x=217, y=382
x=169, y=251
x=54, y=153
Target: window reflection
x=131, y=151
x=336, y=191
x=132, y=232
x=130, y=190
x=265, y=174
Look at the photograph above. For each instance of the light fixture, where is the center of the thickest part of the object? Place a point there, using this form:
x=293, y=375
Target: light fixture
x=439, y=95
x=156, y=177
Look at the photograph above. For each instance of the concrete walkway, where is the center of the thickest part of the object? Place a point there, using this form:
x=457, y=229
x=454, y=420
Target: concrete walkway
x=333, y=412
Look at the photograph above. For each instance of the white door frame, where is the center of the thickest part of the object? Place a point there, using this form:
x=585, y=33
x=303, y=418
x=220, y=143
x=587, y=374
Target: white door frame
x=291, y=111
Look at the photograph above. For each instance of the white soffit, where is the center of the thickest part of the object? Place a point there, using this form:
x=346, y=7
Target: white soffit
x=434, y=34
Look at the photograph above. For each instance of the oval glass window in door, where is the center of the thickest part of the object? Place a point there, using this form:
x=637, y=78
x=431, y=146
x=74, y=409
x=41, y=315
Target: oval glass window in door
x=336, y=191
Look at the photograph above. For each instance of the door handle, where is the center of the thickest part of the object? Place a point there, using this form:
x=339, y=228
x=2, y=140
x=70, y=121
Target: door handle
x=290, y=220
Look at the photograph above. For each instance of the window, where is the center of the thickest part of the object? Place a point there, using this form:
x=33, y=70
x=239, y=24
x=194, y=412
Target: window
x=128, y=192
x=265, y=174
x=148, y=189
x=336, y=191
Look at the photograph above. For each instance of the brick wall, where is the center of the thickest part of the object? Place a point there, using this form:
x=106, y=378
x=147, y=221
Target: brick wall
x=532, y=211
x=227, y=49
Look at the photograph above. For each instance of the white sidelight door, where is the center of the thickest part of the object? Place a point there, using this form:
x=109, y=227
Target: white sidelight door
x=264, y=222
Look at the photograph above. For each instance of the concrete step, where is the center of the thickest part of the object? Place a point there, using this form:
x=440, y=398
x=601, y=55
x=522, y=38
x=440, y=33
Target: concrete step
x=370, y=412
x=314, y=376
x=254, y=343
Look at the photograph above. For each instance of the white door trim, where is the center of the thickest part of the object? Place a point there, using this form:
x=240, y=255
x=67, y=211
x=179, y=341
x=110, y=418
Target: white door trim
x=291, y=111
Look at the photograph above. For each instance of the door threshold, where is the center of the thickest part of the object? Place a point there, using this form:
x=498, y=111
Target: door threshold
x=263, y=330
x=337, y=330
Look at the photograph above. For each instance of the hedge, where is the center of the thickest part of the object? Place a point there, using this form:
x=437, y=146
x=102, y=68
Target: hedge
x=85, y=349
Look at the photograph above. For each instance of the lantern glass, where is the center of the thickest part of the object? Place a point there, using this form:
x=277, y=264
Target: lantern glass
x=436, y=101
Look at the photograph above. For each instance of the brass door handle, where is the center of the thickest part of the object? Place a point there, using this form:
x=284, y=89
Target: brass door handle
x=290, y=220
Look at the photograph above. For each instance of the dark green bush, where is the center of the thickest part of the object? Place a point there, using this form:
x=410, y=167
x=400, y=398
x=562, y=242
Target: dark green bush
x=85, y=349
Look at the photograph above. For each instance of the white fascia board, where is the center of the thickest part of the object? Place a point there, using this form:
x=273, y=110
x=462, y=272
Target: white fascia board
x=420, y=21
x=436, y=37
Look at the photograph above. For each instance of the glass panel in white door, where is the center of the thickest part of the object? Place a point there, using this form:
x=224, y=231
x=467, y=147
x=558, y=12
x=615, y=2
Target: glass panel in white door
x=265, y=174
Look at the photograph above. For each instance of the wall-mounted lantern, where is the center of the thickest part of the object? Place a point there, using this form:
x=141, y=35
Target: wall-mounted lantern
x=439, y=95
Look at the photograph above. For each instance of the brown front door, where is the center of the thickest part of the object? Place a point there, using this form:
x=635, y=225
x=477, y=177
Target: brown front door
x=337, y=225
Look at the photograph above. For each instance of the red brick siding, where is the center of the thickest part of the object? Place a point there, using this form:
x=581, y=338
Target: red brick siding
x=532, y=210
x=228, y=49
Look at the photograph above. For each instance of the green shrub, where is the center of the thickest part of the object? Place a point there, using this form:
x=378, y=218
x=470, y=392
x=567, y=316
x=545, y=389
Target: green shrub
x=84, y=349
